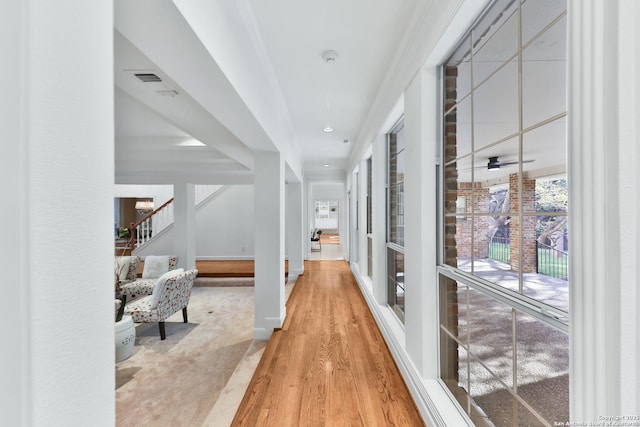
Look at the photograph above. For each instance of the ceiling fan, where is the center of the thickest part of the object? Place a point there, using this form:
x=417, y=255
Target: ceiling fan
x=495, y=164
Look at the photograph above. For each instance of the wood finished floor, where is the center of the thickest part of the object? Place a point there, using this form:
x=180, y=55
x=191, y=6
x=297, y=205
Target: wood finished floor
x=329, y=365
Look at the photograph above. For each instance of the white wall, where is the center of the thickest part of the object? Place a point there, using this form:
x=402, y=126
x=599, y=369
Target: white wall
x=159, y=193
x=57, y=347
x=224, y=227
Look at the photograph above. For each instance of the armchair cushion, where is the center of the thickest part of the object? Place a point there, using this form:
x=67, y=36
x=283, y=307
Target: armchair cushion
x=127, y=268
x=160, y=286
x=138, y=287
x=155, y=266
x=122, y=267
x=145, y=286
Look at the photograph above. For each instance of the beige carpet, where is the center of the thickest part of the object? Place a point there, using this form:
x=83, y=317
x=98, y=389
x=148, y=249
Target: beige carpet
x=197, y=376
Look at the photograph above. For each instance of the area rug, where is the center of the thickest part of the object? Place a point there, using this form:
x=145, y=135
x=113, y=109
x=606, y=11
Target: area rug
x=176, y=382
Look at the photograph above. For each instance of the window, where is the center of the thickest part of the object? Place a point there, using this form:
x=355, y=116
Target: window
x=503, y=277
x=395, y=219
x=369, y=219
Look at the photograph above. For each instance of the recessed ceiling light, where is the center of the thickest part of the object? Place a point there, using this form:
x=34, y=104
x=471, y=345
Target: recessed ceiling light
x=327, y=165
x=328, y=129
x=191, y=142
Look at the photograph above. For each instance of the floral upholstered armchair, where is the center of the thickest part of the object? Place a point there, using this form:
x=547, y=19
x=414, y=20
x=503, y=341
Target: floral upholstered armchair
x=170, y=295
x=126, y=268
x=154, y=267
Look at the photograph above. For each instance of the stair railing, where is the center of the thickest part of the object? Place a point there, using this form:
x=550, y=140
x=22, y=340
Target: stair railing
x=156, y=221
x=141, y=231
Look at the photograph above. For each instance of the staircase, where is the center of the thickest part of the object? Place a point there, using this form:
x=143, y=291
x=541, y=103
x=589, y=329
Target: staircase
x=153, y=223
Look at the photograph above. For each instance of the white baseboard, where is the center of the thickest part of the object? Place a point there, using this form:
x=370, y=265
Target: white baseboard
x=269, y=324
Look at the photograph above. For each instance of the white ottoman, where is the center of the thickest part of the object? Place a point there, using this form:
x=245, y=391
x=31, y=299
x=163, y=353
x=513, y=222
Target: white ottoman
x=125, y=338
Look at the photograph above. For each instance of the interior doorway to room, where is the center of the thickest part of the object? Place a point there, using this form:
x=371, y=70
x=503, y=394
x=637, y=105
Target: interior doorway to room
x=326, y=219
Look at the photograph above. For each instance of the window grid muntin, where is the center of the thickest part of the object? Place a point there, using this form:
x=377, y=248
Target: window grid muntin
x=519, y=134
x=513, y=390
x=518, y=302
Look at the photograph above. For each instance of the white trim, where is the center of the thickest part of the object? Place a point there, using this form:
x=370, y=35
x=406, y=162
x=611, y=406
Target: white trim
x=272, y=323
x=629, y=177
x=593, y=265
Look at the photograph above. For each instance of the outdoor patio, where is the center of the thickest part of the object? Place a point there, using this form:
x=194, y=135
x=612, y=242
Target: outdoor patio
x=547, y=289
x=497, y=347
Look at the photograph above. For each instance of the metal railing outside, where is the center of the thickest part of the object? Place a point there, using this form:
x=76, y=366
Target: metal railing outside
x=500, y=249
x=552, y=262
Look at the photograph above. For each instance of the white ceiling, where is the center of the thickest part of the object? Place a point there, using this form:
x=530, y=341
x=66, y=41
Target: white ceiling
x=250, y=77
x=202, y=50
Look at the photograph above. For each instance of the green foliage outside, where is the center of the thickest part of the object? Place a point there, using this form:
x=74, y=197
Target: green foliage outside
x=551, y=196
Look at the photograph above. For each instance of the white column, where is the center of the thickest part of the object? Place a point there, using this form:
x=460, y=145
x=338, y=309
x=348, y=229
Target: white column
x=269, y=244
x=379, y=218
x=295, y=235
x=629, y=203
x=184, y=224
x=57, y=172
x=604, y=200
x=421, y=303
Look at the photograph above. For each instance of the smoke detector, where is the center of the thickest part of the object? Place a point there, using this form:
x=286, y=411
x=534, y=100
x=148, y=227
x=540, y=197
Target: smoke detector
x=330, y=56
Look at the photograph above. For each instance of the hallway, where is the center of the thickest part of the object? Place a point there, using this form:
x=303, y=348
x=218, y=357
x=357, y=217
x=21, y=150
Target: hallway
x=329, y=365
x=331, y=249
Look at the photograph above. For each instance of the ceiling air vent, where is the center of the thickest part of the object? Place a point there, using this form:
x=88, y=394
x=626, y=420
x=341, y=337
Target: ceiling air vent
x=148, y=77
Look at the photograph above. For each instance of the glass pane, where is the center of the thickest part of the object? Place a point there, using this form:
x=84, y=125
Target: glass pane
x=396, y=214
x=395, y=279
x=551, y=194
x=495, y=107
x=490, y=396
x=370, y=257
x=545, y=157
x=458, y=131
x=543, y=368
x=451, y=217
x=544, y=68
x=453, y=369
x=495, y=40
x=491, y=335
x=538, y=14
x=453, y=308
x=399, y=267
x=495, y=168
x=546, y=280
x=526, y=418
x=457, y=73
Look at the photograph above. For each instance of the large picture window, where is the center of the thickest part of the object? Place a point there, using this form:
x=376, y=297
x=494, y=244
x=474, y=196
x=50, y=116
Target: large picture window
x=369, y=218
x=395, y=219
x=504, y=287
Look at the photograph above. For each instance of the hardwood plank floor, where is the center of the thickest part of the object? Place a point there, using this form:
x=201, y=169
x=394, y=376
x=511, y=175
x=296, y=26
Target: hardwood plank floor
x=329, y=365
